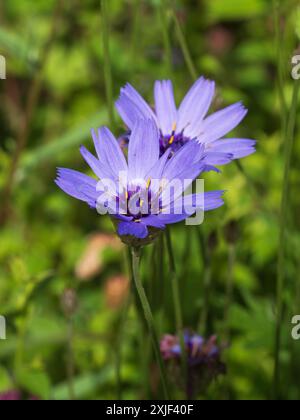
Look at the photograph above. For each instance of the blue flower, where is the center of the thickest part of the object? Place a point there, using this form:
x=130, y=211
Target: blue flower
x=136, y=192
x=190, y=121
x=204, y=362
x=198, y=349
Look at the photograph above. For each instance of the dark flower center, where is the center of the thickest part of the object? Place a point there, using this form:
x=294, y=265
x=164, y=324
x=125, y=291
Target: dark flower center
x=140, y=202
x=173, y=142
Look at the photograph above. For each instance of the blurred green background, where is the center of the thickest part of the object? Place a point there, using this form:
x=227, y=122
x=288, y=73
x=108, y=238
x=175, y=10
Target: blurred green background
x=64, y=276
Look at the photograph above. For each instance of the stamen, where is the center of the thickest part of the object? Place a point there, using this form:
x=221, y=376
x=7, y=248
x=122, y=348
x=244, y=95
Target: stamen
x=148, y=183
x=172, y=138
x=171, y=141
x=163, y=183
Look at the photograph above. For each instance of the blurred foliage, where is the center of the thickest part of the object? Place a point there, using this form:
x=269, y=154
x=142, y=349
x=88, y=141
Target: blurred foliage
x=53, y=354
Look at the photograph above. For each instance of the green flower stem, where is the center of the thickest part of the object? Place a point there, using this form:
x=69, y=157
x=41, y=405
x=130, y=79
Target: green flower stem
x=229, y=289
x=149, y=318
x=288, y=142
x=294, y=352
x=280, y=62
x=119, y=341
x=177, y=303
x=207, y=285
x=107, y=61
x=70, y=360
x=163, y=17
x=135, y=30
x=184, y=47
x=207, y=280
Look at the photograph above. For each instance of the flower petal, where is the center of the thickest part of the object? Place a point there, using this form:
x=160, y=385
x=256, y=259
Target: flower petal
x=169, y=219
x=143, y=150
x=131, y=106
x=99, y=168
x=218, y=158
x=181, y=170
x=213, y=200
x=157, y=170
x=139, y=230
x=109, y=152
x=165, y=106
x=195, y=106
x=77, y=185
x=211, y=168
x=186, y=206
x=154, y=221
x=239, y=148
x=123, y=217
x=222, y=122
x=185, y=158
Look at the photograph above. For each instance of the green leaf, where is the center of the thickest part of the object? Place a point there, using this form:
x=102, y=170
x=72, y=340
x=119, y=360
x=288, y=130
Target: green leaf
x=5, y=381
x=297, y=23
x=84, y=385
x=16, y=46
x=71, y=139
x=36, y=383
x=219, y=10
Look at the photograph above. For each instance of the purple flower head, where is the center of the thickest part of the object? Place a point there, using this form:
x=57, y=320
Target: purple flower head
x=178, y=126
x=204, y=360
x=198, y=349
x=12, y=395
x=144, y=193
x=15, y=395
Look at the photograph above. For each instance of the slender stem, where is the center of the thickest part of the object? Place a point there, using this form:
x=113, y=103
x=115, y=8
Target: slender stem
x=119, y=341
x=206, y=259
x=162, y=12
x=149, y=318
x=151, y=289
x=294, y=354
x=184, y=47
x=107, y=61
x=280, y=62
x=159, y=283
x=207, y=283
x=145, y=358
x=176, y=301
x=121, y=327
x=251, y=182
x=145, y=353
x=229, y=288
x=136, y=25
x=288, y=141
x=175, y=285
x=70, y=360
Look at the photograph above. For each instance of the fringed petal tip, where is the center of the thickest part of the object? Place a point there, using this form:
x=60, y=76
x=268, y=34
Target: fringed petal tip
x=77, y=185
x=211, y=168
x=214, y=200
x=238, y=148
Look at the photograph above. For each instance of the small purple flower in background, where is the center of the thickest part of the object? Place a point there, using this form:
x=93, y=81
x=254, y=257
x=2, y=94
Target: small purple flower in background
x=15, y=395
x=12, y=395
x=189, y=121
x=203, y=359
x=136, y=194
